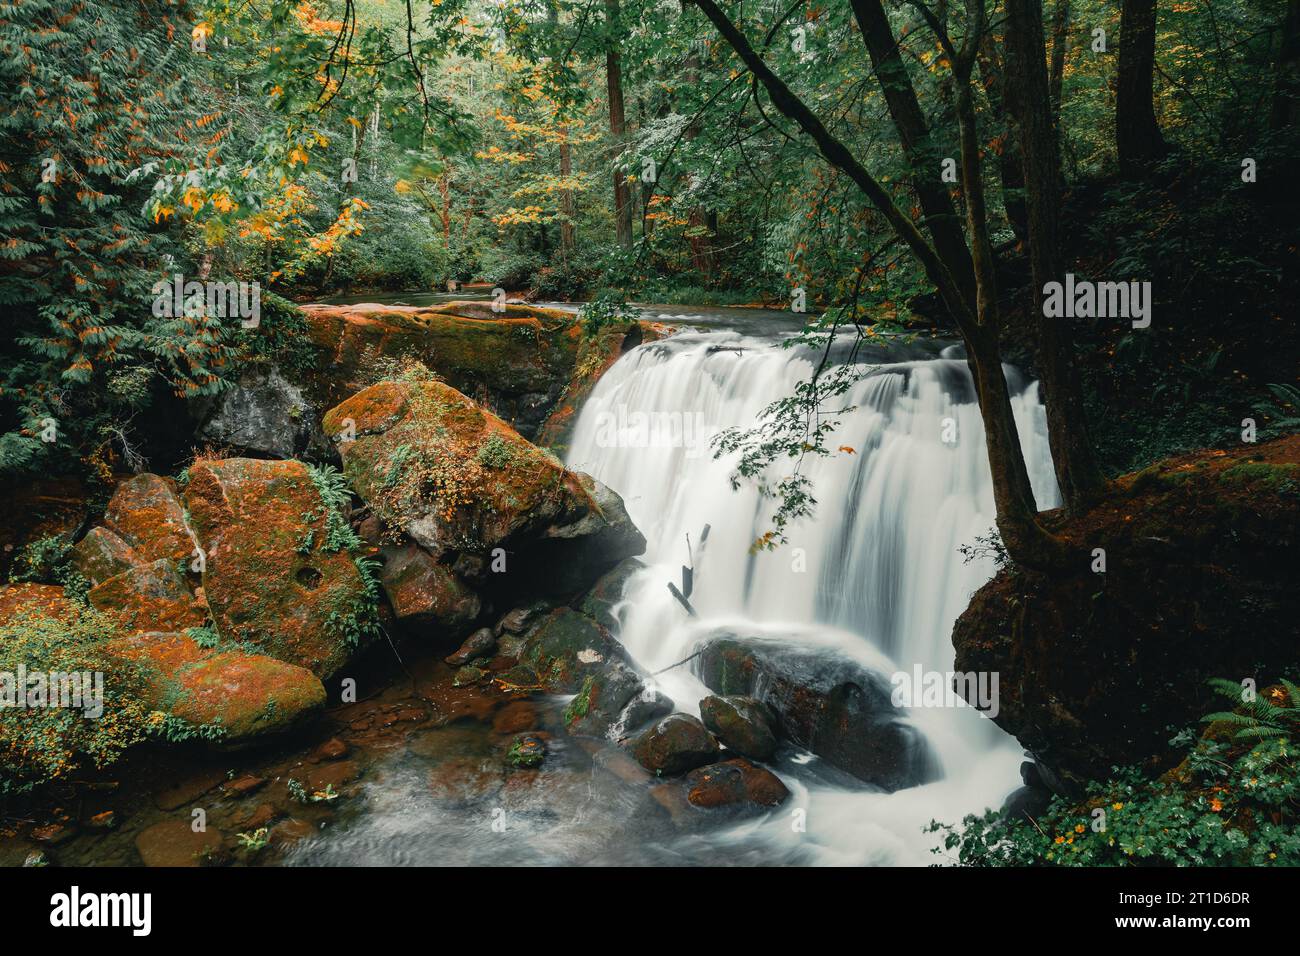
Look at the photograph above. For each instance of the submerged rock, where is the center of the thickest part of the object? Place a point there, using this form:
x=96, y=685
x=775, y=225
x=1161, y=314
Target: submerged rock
x=674, y=745
x=741, y=723
x=734, y=783
x=824, y=701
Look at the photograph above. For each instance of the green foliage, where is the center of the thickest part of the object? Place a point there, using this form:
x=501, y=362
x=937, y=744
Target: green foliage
x=39, y=744
x=495, y=452
x=1231, y=803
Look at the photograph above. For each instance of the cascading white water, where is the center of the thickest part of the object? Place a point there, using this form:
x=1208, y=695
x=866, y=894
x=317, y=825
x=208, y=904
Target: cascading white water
x=875, y=574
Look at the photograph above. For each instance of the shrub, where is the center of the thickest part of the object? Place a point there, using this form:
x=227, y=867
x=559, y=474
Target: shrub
x=41, y=744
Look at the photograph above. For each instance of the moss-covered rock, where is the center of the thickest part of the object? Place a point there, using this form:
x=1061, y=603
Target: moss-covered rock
x=567, y=648
x=612, y=702
x=147, y=514
x=151, y=597
x=278, y=575
x=1098, y=668
x=735, y=785
x=422, y=591
x=101, y=554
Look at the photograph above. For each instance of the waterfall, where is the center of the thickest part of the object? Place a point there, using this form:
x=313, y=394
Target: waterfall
x=875, y=573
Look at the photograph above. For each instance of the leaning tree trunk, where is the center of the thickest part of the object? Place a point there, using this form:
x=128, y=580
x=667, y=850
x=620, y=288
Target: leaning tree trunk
x=1077, y=471
x=1137, y=134
x=1060, y=45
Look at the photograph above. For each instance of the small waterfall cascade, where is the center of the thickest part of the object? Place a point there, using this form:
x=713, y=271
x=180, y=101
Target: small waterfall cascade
x=875, y=573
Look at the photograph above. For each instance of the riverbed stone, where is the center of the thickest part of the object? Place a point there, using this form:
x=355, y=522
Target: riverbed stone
x=674, y=745
x=741, y=723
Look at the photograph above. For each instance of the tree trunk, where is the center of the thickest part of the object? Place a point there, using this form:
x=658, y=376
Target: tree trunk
x=1077, y=472
x=940, y=215
x=1137, y=135
x=1286, y=73
x=1011, y=172
x=566, y=194
x=1060, y=45
x=617, y=128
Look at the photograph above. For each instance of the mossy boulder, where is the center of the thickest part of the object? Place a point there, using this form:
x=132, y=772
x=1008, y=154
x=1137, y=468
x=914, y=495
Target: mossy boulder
x=451, y=475
x=741, y=723
x=146, y=512
x=567, y=648
x=1098, y=667
x=102, y=554
x=674, y=745
x=276, y=575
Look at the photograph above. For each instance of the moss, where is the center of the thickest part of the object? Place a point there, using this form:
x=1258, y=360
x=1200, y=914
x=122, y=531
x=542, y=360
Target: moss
x=581, y=703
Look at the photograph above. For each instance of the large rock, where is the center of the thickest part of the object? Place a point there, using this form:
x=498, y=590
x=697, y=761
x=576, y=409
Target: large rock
x=238, y=697
x=525, y=363
x=102, y=554
x=828, y=703
x=734, y=784
x=470, y=490
x=606, y=594
x=674, y=745
x=265, y=413
x=273, y=578
x=741, y=723
x=567, y=648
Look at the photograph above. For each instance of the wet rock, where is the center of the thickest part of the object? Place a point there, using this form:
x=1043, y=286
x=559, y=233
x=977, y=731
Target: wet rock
x=674, y=745
x=242, y=786
x=332, y=749
x=264, y=413
x=102, y=554
x=734, y=783
x=273, y=579
x=607, y=593
x=527, y=751
x=105, y=820
x=147, y=514
x=482, y=643
x=824, y=701
x=1026, y=802
x=613, y=702
x=152, y=597
x=54, y=833
x=468, y=676
x=741, y=723
x=422, y=591
x=567, y=648
x=518, y=620
x=174, y=843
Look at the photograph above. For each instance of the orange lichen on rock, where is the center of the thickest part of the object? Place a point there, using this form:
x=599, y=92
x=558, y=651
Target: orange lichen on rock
x=152, y=597
x=271, y=577
x=147, y=514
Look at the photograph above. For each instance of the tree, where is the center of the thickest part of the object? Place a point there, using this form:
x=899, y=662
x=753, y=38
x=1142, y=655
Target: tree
x=978, y=321
x=1077, y=472
x=617, y=124
x=1137, y=134
x=1286, y=73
